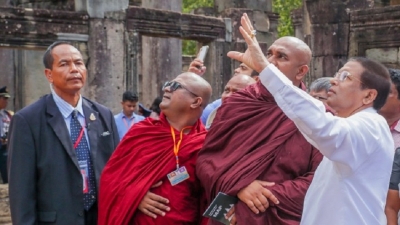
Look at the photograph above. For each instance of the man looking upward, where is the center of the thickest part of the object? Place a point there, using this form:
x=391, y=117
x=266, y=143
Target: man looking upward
x=356, y=143
x=159, y=154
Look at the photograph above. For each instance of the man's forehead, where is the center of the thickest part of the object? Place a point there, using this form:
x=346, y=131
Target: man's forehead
x=281, y=47
x=66, y=51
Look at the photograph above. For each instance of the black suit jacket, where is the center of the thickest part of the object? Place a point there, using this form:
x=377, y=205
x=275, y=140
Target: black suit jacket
x=45, y=184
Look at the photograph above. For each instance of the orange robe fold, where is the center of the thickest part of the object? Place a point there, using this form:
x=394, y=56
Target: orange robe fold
x=144, y=157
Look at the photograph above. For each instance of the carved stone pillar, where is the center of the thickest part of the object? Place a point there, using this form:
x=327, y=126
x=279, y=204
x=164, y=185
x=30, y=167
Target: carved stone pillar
x=161, y=57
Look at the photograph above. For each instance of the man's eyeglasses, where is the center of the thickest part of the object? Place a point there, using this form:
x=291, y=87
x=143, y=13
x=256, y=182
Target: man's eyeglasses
x=320, y=98
x=174, y=85
x=342, y=76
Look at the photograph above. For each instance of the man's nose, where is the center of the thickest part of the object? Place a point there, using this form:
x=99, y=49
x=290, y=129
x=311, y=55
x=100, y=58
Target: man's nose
x=334, y=81
x=272, y=60
x=73, y=67
x=167, y=89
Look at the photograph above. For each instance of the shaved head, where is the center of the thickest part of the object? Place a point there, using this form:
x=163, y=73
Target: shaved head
x=291, y=56
x=298, y=46
x=197, y=85
x=236, y=83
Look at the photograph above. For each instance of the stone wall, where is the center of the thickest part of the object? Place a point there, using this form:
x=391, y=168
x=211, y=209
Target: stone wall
x=5, y=216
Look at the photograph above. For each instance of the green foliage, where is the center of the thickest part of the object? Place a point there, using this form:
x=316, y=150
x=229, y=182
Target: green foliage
x=189, y=5
x=190, y=47
x=283, y=8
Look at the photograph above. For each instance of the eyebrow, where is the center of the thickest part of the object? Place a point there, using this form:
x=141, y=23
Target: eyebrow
x=68, y=60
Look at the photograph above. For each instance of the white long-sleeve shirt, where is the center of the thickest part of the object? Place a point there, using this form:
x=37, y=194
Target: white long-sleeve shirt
x=351, y=183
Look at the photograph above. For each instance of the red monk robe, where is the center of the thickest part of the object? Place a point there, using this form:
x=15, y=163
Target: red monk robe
x=144, y=157
x=252, y=139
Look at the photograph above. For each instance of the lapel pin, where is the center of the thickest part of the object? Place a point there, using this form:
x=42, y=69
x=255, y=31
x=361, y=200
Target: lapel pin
x=92, y=117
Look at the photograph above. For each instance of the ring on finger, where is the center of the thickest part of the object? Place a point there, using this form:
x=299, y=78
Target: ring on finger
x=253, y=33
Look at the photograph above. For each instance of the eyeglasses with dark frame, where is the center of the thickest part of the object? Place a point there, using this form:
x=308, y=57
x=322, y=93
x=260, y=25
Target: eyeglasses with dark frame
x=174, y=85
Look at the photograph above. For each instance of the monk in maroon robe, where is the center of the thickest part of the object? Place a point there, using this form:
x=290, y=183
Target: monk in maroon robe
x=252, y=144
x=149, y=152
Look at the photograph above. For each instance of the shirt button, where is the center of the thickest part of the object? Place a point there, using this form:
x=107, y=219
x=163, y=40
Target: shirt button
x=80, y=213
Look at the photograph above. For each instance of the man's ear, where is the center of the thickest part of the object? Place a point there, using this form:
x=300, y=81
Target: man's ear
x=48, y=74
x=197, y=103
x=370, y=96
x=303, y=70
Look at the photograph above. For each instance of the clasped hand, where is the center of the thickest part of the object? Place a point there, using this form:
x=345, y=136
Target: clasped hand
x=153, y=205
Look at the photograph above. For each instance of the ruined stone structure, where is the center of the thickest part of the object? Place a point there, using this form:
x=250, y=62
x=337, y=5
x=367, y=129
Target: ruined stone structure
x=337, y=30
x=135, y=44
x=126, y=47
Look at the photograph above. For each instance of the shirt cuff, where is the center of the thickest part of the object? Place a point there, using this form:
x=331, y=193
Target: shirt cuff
x=273, y=79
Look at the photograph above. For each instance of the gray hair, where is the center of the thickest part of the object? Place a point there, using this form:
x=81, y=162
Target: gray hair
x=321, y=84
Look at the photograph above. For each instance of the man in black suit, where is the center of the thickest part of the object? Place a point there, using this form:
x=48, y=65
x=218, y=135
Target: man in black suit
x=58, y=147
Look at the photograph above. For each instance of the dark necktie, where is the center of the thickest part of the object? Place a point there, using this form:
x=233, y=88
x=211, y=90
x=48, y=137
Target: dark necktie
x=84, y=160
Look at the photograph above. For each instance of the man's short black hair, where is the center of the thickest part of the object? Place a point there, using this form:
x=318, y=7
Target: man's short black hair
x=375, y=76
x=395, y=77
x=129, y=96
x=48, y=57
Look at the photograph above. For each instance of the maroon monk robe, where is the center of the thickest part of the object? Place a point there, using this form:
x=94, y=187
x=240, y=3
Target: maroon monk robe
x=144, y=157
x=252, y=139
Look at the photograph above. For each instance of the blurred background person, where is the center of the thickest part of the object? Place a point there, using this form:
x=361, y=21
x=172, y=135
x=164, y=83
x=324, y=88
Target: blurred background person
x=391, y=112
x=127, y=117
x=5, y=119
x=155, y=108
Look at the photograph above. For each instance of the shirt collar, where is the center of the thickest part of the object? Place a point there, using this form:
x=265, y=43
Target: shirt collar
x=123, y=115
x=65, y=108
x=397, y=126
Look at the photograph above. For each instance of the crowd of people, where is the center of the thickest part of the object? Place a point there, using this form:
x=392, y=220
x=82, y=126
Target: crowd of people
x=290, y=155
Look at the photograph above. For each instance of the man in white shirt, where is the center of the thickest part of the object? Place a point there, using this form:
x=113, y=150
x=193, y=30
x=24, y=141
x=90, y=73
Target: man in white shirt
x=350, y=184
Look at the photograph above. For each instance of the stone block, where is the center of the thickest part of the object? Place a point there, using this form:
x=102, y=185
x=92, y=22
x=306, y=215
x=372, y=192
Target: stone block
x=106, y=68
x=329, y=39
x=264, y=22
x=333, y=11
x=383, y=55
x=221, y=5
x=325, y=66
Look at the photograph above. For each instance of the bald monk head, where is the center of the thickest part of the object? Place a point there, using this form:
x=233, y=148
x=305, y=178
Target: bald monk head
x=291, y=56
x=236, y=83
x=185, y=97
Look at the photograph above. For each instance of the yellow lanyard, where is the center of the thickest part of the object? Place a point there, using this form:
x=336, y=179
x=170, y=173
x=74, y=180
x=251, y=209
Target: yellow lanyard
x=177, y=146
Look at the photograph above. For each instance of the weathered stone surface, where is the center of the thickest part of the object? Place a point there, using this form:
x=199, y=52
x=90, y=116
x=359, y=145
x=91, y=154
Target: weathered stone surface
x=39, y=27
x=334, y=11
x=329, y=39
x=264, y=22
x=164, y=23
x=218, y=67
x=376, y=28
x=98, y=8
x=106, y=67
x=44, y=4
x=161, y=57
x=221, y=5
x=384, y=55
x=5, y=215
x=325, y=66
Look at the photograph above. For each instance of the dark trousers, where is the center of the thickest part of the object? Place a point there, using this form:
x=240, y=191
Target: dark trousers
x=91, y=215
x=3, y=163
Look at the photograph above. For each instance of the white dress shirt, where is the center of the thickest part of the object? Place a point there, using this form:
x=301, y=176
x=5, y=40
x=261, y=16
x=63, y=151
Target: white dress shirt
x=351, y=183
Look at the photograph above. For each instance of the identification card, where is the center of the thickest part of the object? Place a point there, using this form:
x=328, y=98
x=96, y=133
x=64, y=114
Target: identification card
x=178, y=176
x=85, y=175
